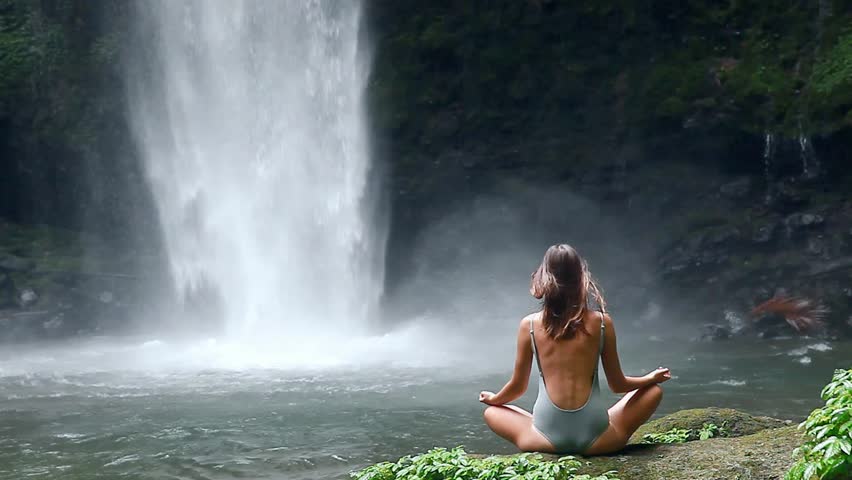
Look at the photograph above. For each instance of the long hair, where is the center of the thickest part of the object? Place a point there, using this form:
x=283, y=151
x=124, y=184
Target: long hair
x=563, y=283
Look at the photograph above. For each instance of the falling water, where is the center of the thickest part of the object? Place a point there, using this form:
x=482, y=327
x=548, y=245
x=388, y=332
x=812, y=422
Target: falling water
x=810, y=164
x=768, y=154
x=250, y=117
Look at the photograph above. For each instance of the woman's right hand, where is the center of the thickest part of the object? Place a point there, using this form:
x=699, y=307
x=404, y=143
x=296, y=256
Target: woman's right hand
x=659, y=375
x=487, y=397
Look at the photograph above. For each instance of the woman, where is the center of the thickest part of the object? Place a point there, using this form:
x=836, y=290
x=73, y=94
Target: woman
x=566, y=338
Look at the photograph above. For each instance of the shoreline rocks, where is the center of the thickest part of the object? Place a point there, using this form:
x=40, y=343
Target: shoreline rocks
x=756, y=448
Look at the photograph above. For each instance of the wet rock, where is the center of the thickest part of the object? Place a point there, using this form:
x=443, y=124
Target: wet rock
x=788, y=197
x=713, y=332
x=54, y=323
x=738, y=423
x=27, y=297
x=802, y=221
x=815, y=246
x=722, y=235
x=737, y=188
x=842, y=263
x=765, y=233
x=7, y=291
x=770, y=326
x=758, y=448
x=13, y=263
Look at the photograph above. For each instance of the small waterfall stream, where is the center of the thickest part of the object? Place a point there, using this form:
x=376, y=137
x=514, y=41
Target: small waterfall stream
x=768, y=155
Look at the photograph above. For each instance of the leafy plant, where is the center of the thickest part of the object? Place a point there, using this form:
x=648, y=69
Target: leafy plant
x=827, y=454
x=710, y=430
x=440, y=464
x=681, y=435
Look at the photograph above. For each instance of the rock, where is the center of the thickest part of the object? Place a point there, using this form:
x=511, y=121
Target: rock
x=54, y=323
x=816, y=246
x=787, y=197
x=737, y=188
x=801, y=221
x=841, y=263
x=738, y=423
x=759, y=448
x=765, y=233
x=7, y=290
x=27, y=297
x=765, y=455
x=13, y=263
x=715, y=332
x=722, y=235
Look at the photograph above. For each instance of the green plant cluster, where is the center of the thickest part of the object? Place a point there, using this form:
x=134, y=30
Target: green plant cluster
x=827, y=455
x=681, y=435
x=440, y=464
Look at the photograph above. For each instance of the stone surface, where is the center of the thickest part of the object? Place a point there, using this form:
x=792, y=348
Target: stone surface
x=15, y=263
x=766, y=455
x=736, y=188
x=758, y=448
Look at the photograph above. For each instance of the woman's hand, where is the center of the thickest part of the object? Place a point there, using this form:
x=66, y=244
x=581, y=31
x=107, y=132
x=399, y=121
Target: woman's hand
x=659, y=375
x=486, y=397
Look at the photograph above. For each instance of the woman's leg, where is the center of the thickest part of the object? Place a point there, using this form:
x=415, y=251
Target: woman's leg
x=625, y=417
x=515, y=425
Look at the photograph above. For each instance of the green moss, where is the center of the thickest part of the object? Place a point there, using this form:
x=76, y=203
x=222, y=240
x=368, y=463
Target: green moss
x=760, y=449
x=736, y=422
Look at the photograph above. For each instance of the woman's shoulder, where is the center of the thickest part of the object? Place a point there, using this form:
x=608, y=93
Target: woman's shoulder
x=525, y=322
x=593, y=317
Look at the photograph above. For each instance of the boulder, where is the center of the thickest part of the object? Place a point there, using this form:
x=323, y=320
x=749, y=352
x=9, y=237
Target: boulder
x=27, y=297
x=715, y=332
x=737, y=188
x=802, y=221
x=738, y=423
x=756, y=448
x=765, y=455
x=13, y=263
x=7, y=290
x=765, y=233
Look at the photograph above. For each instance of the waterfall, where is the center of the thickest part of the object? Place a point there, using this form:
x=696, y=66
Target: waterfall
x=768, y=155
x=250, y=117
x=810, y=163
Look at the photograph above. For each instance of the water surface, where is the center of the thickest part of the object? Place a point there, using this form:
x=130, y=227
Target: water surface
x=85, y=415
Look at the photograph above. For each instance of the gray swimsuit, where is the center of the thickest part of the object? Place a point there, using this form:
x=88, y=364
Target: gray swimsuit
x=570, y=431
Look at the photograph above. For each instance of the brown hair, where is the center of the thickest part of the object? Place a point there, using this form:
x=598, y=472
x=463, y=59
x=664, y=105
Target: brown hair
x=563, y=283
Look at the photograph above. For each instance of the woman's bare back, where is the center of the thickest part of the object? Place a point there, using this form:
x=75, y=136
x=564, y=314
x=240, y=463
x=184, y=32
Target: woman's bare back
x=568, y=365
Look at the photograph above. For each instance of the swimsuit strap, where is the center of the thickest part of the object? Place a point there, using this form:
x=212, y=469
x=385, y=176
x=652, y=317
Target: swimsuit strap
x=535, y=351
x=595, y=385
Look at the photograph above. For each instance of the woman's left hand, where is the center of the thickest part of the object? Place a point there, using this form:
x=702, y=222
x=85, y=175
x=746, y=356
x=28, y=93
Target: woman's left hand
x=485, y=397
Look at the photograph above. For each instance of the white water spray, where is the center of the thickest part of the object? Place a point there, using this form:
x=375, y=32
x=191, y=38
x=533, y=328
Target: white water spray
x=250, y=116
x=768, y=155
x=810, y=162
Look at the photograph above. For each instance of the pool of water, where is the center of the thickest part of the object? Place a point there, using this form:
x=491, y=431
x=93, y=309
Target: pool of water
x=108, y=420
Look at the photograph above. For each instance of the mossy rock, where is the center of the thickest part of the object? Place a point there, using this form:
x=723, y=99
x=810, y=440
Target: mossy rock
x=760, y=448
x=737, y=423
x=764, y=455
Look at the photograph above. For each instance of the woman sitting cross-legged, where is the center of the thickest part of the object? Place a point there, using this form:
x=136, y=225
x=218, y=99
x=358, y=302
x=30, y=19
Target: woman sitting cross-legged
x=566, y=338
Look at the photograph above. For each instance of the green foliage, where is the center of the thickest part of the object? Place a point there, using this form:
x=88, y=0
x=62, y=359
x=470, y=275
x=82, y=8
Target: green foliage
x=827, y=455
x=834, y=70
x=440, y=464
x=682, y=435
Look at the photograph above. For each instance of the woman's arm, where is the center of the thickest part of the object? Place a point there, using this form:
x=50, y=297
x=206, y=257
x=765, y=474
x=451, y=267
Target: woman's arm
x=618, y=382
x=517, y=385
